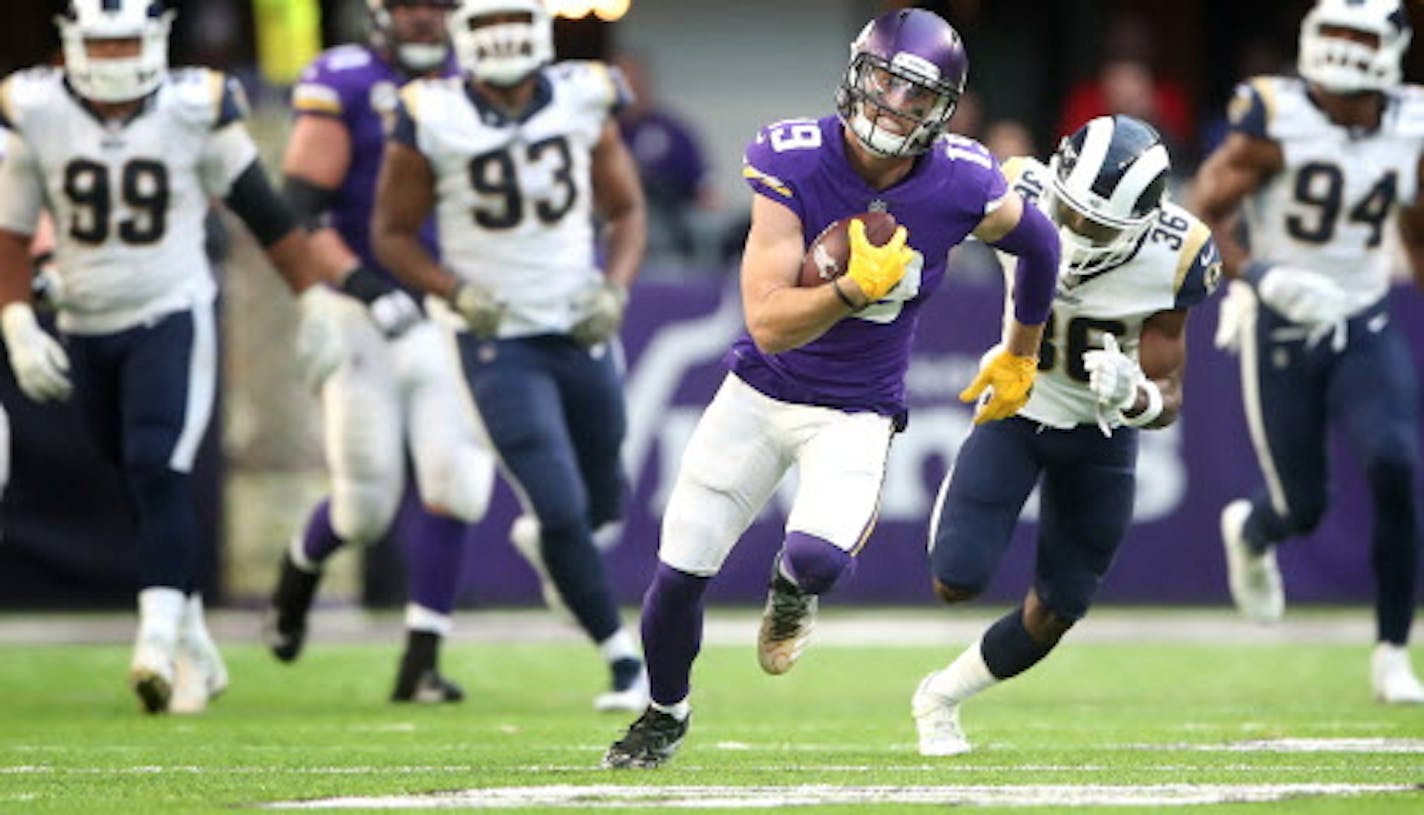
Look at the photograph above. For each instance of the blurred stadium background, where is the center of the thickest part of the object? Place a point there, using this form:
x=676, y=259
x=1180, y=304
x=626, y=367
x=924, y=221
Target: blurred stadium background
x=1037, y=70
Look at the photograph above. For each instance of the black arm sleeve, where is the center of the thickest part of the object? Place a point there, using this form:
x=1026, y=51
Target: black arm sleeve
x=308, y=201
x=259, y=206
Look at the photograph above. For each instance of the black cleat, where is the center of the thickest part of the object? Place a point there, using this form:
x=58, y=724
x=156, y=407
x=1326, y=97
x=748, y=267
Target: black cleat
x=419, y=679
x=649, y=742
x=427, y=688
x=285, y=626
x=786, y=623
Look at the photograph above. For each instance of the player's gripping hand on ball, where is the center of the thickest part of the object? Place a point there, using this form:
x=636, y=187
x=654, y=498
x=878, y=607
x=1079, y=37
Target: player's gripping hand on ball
x=876, y=269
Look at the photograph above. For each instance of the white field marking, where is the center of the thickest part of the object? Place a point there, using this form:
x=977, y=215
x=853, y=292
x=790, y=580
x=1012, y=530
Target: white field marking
x=733, y=745
x=1345, y=745
x=757, y=797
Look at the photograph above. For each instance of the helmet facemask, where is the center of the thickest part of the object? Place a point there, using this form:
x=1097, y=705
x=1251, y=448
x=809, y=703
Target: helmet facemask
x=1353, y=47
x=1090, y=243
x=502, y=42
x=115, y=79
x=896, y=107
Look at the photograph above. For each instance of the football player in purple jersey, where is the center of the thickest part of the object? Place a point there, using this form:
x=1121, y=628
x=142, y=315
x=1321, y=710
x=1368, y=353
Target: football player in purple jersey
x=818, y=379
x=401, y=389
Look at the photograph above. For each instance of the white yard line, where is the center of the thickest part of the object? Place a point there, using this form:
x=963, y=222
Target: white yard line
x=756, y=797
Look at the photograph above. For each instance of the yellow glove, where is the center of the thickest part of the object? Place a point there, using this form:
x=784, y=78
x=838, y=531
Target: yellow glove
x=1008, y=378
x=876, y=269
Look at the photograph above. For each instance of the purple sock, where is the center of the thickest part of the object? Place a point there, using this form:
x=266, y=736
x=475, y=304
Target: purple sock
x=672, y=632
x=435, y=549
x=319, y=540
x=814, y=564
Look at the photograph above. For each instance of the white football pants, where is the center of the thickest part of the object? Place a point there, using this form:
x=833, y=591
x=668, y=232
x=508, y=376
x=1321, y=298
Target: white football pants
x=743, y=445
x=391, y=393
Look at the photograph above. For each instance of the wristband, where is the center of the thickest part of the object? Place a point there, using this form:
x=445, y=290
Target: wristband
x=836, y=284
x=1150, y=413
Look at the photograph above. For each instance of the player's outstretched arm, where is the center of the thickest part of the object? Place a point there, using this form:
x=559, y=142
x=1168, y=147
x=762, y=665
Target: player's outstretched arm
x=1235, y=170
x=1007, y=374
x=780, y=314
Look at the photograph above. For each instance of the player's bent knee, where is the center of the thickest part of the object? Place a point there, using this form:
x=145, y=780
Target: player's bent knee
x=361, y=516
x=956, y=594
x=463, y=490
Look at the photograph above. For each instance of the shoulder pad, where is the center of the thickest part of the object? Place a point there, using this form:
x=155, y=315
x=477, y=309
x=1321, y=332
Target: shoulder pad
x=780, y=155
x=1027, y=175
x=1409, y=122
x=974, y=168
x=206, y=97
x=325, y=84
x=592, y=83
x=24, y=91
x=1198, y=263
x=1252, y=109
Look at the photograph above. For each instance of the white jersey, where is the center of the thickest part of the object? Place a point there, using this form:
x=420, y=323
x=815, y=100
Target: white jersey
x=1175, y=267
x=1329, y=209
x=514, y=198
x=128, y=197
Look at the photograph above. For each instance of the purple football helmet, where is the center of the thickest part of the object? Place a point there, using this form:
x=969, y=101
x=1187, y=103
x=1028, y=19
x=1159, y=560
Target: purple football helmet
x=906, y=74
x=415, y=57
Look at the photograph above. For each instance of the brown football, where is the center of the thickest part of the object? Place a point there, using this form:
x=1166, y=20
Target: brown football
x=828, y=257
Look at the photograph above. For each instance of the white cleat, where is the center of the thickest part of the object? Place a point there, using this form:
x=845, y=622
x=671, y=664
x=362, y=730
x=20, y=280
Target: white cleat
x=1255, y=579
x=786, y=624
x=937, y=720
x=1392, y=677
x=633, y=699
x=151, y=673
x=524, y=534
x=200, y=676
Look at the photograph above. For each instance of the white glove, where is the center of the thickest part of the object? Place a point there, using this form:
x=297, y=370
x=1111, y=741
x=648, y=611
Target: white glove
x=321, y=347
x=482, y=312
x=1113, y=378
x=602, y=308
x=1231, y=316
x=1303, y=296
x=40, y=364
x=394, y=313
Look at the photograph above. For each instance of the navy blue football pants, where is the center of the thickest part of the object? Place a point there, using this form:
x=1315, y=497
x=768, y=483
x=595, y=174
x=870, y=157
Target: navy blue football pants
x=146, y=394
x=1086, y=491
x=1293, y=389
x=555, y=413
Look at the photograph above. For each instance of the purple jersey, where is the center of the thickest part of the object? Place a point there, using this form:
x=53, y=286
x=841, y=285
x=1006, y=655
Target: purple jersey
x=860, y=363
x=355, y=84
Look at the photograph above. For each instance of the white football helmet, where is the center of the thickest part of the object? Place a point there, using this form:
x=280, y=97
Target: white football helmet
x=1107, y=183
x=415, y=57
x=123, y=79
x=1341, y=65
x=502, y=41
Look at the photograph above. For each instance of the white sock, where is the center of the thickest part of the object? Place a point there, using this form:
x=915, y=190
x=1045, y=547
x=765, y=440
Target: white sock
x=420, y=618
x=619, y=646
x=680, y=710
x=160, y=610
x=299, y=556
x=966, y=675
x=194, y=627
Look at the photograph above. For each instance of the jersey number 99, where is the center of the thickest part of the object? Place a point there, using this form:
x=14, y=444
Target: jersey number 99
x=143, y=188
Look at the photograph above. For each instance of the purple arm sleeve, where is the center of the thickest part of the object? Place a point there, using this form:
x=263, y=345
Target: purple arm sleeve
x=1035, y=240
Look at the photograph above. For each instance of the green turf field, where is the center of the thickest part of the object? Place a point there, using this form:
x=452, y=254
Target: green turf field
x=1098, y=722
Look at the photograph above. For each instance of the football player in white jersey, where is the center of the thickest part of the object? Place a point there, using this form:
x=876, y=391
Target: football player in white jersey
x=402, y=387
x=1318, y=167
x=1111, y=363
x=516, y=157
x=125, y=155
